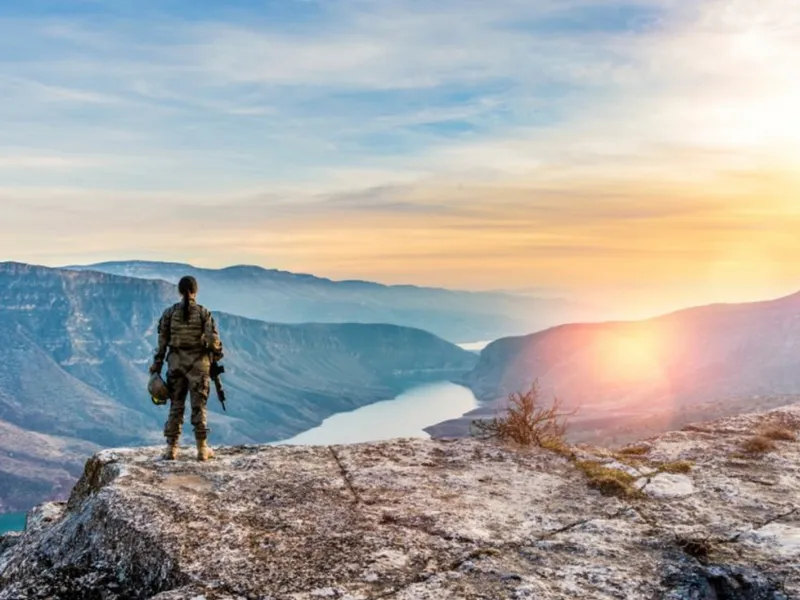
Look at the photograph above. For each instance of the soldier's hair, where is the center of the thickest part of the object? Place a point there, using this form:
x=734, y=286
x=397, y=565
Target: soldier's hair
x=186, y=286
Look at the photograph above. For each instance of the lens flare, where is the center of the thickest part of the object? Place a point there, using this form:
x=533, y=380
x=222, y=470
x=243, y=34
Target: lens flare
x=632, y=355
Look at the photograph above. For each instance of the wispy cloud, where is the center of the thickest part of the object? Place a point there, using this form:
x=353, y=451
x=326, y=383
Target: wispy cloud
x=38, y=162
x=19, y=87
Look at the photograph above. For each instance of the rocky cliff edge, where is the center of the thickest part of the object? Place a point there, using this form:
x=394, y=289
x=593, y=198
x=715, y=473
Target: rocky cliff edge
x=701, y=515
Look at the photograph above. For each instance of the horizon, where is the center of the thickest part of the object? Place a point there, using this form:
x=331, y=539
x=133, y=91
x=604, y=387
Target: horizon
x=604, y=313
x=643, y=153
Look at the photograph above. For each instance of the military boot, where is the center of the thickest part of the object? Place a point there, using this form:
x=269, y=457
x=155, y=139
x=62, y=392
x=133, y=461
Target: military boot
x=204, y=452
x=171, y=453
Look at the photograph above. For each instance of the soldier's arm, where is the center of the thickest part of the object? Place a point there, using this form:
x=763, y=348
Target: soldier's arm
x=163, y=340
x=212, y=339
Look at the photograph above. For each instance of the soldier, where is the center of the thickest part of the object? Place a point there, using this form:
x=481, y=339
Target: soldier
x=189, y=332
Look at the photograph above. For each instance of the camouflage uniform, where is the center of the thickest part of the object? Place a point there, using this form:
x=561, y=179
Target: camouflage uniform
x=192, y=345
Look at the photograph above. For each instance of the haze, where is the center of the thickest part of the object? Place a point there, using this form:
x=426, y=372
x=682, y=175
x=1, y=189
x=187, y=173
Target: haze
x=643, y=153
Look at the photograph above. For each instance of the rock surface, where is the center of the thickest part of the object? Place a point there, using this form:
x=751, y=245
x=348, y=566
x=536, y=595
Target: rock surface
x=413, y=519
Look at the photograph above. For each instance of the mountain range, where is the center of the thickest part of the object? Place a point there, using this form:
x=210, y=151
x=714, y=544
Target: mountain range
x=78, y=341
x=703, y=362
x=73, y=372
x=280, y=296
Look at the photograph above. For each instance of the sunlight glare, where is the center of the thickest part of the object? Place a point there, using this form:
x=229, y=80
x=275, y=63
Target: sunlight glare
x=633, y=355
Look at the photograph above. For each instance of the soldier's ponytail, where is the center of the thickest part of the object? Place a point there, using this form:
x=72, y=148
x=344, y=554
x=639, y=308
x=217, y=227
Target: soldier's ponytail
x=187, y=286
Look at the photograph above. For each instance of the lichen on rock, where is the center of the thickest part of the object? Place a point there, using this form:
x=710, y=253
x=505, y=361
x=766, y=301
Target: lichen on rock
x=415, y=519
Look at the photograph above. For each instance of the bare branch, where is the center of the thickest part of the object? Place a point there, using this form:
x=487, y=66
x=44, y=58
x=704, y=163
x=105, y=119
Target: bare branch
x=526, y=422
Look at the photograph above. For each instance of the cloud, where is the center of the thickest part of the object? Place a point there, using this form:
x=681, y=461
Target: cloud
x=26, y=88
x=484, y=142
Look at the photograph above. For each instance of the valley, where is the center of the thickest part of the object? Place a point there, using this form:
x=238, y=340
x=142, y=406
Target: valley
x=78, y=343
x=74, y=373
x=12, y=522
x=405, y=217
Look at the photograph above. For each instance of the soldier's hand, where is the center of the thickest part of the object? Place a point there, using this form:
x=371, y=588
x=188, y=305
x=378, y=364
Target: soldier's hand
x=156, y=368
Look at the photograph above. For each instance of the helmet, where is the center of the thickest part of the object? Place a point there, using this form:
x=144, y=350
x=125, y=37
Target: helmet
x=157, y=389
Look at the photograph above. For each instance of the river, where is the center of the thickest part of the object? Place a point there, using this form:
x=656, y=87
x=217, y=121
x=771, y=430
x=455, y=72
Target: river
x=474, y=346
x=12, y=522
x=404, y=416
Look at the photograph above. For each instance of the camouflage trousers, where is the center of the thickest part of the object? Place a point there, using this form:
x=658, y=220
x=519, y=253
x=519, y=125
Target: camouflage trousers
x=192, y=381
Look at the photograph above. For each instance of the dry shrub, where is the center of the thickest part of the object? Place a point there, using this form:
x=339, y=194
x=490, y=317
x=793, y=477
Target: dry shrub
x=637, y=450
x=559, y=446
x=679, y=466
x=610, y=482
x=783, y=434
x=758, y=444
x=527, y=423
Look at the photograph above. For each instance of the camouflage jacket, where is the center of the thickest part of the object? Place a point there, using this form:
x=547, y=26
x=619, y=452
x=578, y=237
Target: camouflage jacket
x=197, y=335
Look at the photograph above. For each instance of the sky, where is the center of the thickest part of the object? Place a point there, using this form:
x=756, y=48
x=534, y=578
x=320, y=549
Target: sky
x=644, y=152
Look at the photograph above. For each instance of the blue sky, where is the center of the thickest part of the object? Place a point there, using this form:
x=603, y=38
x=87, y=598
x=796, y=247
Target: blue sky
x=274, y=90
x=459, y=142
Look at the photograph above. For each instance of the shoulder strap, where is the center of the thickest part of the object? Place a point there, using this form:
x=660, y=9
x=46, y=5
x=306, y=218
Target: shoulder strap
x=169, y=313
x=204, y=312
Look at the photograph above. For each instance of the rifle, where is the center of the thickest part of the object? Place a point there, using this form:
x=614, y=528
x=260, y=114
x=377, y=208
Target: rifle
x=217, y=370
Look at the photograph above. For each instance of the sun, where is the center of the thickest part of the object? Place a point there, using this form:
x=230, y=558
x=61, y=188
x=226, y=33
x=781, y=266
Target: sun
x=633, y=354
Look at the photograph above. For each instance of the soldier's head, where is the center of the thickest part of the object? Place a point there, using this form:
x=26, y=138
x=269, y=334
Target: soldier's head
x=187, y=287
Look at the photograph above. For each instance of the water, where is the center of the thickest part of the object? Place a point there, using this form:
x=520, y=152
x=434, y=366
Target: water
x=12, y=522
x=475, y=346
x=404, y=416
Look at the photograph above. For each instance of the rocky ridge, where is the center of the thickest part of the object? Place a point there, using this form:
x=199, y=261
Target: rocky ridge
x=704, y=517
x=634, y=378
x=280, y=296
x=693, y=355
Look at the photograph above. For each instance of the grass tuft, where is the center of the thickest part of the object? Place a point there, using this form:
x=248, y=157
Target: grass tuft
x=637, y=450
x=610, y=482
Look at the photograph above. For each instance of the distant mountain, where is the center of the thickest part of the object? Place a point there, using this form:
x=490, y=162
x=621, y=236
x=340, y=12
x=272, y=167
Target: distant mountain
x=279, y=296
x=76, y=346
x=741, y=355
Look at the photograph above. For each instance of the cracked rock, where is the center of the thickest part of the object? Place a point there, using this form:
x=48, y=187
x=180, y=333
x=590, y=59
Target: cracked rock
x=417, y=520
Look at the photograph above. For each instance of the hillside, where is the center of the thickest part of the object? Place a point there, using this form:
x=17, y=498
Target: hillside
x=77, y=346
x=34, y=466
x=425, y=520
x=621, y=371
x=280, y=296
